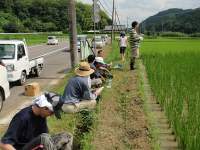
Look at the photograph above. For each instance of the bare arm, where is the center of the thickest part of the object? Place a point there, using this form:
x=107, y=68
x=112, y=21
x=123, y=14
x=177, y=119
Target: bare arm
x=98, y=91
x=6, y=147
x=126, y=41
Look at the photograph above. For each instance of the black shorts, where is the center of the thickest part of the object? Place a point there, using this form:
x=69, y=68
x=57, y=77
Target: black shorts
x=122, y=50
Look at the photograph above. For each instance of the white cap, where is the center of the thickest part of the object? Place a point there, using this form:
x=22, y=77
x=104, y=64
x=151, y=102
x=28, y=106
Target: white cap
x=42, y=101
x=99, y=60
x=50, y=100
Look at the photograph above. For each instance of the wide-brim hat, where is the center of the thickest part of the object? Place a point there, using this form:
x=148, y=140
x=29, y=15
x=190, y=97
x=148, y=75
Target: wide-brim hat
x=83, y=69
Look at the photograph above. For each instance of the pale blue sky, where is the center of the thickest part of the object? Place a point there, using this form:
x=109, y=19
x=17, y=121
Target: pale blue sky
x=142, y=9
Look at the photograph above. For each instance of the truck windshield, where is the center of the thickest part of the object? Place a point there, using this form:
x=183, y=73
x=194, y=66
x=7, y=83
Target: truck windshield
x=98, y=40
x=51, y=37
x=7, y=51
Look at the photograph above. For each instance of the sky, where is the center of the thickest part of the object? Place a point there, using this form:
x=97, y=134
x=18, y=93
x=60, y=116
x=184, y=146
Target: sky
x=139, y=10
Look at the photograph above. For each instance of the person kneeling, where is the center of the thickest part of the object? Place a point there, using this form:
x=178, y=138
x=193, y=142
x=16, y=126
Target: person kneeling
x=78, y=94
x=28, y=129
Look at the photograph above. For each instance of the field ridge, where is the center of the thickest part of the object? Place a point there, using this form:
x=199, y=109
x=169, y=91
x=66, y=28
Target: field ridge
x=164, y=136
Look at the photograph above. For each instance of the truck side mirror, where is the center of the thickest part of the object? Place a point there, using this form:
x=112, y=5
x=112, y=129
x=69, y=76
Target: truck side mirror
x=19, y=56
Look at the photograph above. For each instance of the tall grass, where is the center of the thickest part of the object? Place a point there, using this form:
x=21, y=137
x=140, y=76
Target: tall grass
x=173, y=69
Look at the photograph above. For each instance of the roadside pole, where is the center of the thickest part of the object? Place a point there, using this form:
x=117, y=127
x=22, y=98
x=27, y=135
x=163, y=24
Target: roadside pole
x=127, y=24
x=115, y=24
x=94, y=27
x=73, y=33
x=113, y=11
x=96, y=18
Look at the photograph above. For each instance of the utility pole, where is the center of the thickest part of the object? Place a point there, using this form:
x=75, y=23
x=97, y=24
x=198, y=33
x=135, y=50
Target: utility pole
x=73, y=33
x=113, y=11
x=94, y=2
x=115, y=23
x=96, y=19
x=127, y=24
x=162, y=26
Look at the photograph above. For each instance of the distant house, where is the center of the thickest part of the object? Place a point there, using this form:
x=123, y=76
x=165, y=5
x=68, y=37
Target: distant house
x=92, y=31
x=116, y=28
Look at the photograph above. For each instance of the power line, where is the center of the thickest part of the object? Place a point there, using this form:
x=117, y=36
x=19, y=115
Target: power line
x=116, y=7
x=107, y=5
x=109, y=13
x=118, y=18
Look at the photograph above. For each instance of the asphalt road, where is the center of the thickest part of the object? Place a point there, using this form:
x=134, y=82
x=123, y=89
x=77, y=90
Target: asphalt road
x=55, y=67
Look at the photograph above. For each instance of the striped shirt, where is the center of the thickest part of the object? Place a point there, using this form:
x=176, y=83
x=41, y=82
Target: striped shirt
x=134, y=39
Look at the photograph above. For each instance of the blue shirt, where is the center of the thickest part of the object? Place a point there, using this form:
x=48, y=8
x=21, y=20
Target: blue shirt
x=78, y=89
x=96, y=73
x=23, y=128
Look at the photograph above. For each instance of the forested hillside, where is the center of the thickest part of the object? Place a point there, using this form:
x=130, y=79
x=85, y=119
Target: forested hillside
x=44, y=15
x=175, y=20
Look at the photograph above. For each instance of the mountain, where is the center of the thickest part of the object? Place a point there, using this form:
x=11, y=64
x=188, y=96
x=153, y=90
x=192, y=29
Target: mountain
x=175, y=20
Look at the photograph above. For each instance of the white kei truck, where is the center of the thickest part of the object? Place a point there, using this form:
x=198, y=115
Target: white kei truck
x=14, y=54
x=4, y=85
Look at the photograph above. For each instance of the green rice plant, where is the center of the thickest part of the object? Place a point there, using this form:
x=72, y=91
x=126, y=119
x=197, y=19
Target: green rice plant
x=173, y=70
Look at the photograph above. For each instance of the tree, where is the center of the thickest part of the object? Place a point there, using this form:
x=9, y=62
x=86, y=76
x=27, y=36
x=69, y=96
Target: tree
x=45, y=15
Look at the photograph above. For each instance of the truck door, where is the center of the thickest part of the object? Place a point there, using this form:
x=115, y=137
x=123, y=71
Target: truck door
x=22, y=58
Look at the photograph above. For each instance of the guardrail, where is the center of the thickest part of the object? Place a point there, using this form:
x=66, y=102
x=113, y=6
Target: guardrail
x=86, y=49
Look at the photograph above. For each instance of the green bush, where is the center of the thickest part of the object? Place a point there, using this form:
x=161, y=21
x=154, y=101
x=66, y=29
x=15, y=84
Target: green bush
x=173, y=34
x=13, y=27
x=195, y=35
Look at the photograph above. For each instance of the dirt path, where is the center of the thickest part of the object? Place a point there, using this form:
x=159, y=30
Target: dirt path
x=122, y=124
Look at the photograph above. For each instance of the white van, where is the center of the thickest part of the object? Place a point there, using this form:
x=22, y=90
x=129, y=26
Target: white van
x=52, y=40
x=4, y=85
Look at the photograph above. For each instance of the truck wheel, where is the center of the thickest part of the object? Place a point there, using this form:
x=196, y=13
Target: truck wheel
x=1, y=101
x=38, y=71
x=22, y=80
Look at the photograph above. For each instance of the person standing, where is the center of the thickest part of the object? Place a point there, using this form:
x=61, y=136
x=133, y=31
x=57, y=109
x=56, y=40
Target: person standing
x=135, y=39
x=123, y=44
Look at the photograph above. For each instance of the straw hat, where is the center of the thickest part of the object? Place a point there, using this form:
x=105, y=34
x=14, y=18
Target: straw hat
x=83, y=69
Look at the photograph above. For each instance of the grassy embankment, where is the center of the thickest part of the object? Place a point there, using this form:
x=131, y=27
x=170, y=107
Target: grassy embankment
x=119, y=116
x=173, y=69
x=120, y=111
x=79, y=124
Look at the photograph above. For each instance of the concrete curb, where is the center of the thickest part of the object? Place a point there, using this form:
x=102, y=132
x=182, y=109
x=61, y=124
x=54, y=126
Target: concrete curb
x=6, y=120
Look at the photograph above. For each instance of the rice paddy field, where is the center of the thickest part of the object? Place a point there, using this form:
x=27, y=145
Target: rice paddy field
x=173, y=70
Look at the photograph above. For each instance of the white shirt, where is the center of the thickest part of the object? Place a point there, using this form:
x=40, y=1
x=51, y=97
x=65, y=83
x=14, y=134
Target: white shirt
x=122, y=41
